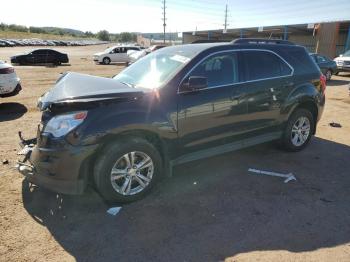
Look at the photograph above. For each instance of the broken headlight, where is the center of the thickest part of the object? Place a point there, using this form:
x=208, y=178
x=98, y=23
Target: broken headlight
x=61, y=125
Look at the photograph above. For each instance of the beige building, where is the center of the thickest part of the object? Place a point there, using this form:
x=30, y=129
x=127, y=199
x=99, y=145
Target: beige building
x=330, y=39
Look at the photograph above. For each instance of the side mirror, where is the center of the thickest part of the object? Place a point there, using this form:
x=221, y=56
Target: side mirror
x=197, y=83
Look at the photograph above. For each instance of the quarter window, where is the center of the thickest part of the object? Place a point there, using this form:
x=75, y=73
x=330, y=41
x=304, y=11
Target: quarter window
x=221, y=69
x=262, y=64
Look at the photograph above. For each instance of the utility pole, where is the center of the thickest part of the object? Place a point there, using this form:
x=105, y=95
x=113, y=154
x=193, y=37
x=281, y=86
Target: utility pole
x=226, y=24
x=164, y=18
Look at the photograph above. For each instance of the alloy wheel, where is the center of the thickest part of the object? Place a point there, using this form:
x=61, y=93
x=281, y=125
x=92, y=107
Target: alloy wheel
x=300, y=131
x=132, y=173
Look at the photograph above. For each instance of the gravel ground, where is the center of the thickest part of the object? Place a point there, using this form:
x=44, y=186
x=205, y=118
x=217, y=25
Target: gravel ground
x=211, y=210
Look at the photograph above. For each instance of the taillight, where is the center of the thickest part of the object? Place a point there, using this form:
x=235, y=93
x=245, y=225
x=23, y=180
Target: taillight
x=8, y=70
x=323, y=81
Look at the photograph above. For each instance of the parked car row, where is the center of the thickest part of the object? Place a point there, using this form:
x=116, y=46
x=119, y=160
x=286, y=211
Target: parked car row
x=42, y=42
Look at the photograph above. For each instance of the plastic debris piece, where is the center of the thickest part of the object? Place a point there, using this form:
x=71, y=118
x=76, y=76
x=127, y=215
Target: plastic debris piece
x=333, y=124
x=288, y=177
x=5, y=162
x=114, y=210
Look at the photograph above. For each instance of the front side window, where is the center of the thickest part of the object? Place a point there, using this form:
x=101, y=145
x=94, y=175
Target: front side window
x=220, y=69
x=264, y=64
x=115, y=51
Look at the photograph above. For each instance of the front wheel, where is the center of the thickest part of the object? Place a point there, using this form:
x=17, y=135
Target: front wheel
x=106, y=61
x=299, y=130
x=127, y=170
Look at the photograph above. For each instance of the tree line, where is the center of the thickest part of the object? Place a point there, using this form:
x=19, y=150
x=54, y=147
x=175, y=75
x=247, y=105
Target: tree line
x=103, y=35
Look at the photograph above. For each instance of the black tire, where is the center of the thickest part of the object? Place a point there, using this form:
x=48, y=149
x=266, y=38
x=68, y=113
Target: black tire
x=106, y=60
x=328, y=74
x=286, y=140
x=111, y=154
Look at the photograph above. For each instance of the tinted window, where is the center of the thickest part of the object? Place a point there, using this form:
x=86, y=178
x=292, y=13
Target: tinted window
x=40, y=52
x=262, y=64
x=321, y=59
x=219, y=69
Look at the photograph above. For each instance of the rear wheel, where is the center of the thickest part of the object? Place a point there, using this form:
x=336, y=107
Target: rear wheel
x=127, y=170
x=299, y=130
x=328, y=74
x=106, y=60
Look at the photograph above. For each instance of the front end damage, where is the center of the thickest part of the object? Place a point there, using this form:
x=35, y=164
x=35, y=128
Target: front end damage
x=55, y=165
x=59, y=158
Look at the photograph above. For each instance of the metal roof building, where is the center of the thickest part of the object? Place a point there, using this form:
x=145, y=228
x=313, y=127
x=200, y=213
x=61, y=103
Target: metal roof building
x=330, y=39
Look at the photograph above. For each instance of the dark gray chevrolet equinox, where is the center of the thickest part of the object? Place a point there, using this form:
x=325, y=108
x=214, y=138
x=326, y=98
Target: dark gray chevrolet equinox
x=178, y=104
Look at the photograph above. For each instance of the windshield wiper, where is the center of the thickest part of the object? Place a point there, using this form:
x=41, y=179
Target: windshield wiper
x=127, y=84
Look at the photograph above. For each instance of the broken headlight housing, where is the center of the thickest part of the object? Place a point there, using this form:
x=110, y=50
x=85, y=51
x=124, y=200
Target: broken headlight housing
x=61, y=125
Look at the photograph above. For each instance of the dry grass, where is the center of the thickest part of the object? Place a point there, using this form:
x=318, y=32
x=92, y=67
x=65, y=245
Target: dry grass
x=26, y=35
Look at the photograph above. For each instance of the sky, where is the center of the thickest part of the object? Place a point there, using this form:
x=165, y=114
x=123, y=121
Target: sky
x=182, y=15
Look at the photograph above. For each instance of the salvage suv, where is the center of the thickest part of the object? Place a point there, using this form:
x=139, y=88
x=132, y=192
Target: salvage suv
x=178, y=104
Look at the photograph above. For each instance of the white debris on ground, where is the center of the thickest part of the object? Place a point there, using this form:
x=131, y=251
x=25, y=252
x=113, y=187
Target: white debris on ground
x=288, y=177
x=114, y=210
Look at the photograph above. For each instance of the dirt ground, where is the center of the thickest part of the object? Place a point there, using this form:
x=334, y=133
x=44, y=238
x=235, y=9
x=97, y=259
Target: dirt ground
x=211, y=210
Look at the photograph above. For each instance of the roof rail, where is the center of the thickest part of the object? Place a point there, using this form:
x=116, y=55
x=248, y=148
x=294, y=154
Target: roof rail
x=261, y=41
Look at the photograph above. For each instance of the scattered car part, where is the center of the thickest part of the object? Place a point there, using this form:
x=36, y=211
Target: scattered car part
x=333, y=124
x=114, y=210
x=287, y=177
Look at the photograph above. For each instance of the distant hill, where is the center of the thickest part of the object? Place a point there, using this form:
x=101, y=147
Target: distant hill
x=51, y=29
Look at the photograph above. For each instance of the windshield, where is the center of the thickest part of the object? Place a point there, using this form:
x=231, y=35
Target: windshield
x=109, y=49
x=153, y=70
x=347, y=53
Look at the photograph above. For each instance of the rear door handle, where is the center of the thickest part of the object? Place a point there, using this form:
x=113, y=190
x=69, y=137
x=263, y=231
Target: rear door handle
x=288, y=84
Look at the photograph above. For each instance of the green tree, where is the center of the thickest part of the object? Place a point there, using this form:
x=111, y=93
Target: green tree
x=89, y=34
x=103, y=35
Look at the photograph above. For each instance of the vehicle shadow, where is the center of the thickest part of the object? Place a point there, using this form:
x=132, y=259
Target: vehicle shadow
x=337, y=82
x=11, y=111
x=213, y=209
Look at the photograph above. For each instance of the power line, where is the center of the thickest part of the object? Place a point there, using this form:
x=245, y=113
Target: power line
x=164, y=18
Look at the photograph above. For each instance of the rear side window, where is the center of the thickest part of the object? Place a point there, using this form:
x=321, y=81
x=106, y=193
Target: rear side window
x=263, y=64
x=301, y=61
x=220, y=69
x=322, y=59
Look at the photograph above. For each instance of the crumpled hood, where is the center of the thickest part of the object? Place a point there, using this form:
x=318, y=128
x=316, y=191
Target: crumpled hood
x=75, y=87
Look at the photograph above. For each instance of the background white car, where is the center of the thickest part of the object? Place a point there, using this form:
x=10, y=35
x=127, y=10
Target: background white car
x=115, y=54
x=9, y=82
x=343, y=62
